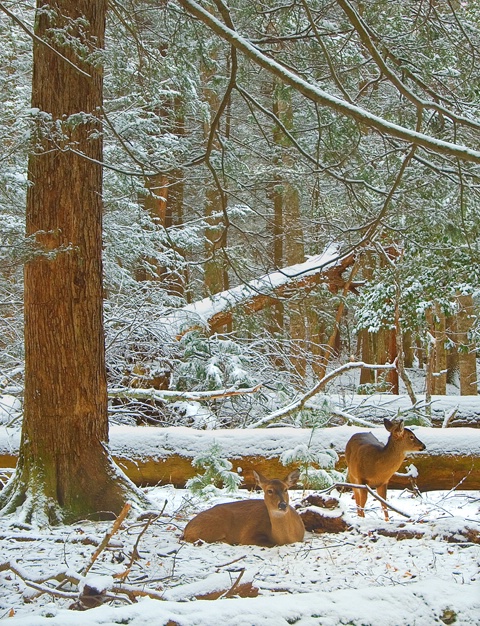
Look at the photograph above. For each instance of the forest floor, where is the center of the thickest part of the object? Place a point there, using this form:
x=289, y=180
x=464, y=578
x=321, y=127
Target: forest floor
x=357, y=577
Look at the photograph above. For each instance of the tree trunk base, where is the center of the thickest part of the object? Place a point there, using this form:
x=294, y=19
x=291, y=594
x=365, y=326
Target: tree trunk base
x=29, y=496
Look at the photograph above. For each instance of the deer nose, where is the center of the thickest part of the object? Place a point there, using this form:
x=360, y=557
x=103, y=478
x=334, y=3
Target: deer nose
x=282, y=506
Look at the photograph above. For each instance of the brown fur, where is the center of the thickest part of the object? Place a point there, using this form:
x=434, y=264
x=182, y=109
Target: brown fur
x=371, y=463
x=268, y=522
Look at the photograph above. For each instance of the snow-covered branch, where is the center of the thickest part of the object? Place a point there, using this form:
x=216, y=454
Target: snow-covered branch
x=300, y=403
x=163, y=395
x=316, y=94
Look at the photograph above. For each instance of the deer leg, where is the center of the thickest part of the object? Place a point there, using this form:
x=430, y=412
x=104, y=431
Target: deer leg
x=382, y=492
x=360, y=499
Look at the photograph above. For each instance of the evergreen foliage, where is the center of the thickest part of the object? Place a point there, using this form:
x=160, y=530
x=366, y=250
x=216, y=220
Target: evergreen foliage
x=218, y=473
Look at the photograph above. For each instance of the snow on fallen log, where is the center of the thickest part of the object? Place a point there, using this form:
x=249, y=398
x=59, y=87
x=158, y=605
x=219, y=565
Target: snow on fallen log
x=216, y=311
x=151, y=456
x=215, y=586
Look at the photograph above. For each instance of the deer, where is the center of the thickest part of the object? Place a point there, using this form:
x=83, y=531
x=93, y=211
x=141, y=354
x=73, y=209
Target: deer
x=268, y=522
x=371, y=463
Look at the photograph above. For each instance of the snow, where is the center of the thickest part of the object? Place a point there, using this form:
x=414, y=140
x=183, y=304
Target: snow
x=316, y=94
x=202, y=311
x=236, y=443
x=160, y=443
x=356, y=577
x=327, y=609
x=387, y=405
x=10, y=408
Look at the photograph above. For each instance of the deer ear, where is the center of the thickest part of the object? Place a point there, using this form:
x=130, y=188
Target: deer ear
x=292, y=478
x=388, y=424
x=259, y=479
x=397, y=429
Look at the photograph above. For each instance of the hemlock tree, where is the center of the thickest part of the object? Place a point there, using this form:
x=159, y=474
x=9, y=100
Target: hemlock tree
x=65, y=471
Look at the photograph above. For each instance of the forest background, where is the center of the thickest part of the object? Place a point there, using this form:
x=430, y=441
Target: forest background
x=330, y=143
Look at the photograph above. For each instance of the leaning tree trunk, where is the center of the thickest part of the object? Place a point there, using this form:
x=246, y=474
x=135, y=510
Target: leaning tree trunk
x=65, y=471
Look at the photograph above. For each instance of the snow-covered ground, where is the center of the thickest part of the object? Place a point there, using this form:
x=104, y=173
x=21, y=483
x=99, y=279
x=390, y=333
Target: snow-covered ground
x=359, y=577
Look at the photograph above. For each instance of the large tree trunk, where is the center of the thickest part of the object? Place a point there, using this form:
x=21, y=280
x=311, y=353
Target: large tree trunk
x=64, y=471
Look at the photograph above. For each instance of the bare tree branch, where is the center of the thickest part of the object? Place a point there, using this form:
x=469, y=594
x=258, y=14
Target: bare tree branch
x=316, y=94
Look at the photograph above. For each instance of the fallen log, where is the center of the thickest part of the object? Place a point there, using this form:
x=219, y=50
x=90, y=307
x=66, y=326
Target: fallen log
x=152, y=456
x=322, y=514
x=467, y=534
x=215, y=586
x=216, y=311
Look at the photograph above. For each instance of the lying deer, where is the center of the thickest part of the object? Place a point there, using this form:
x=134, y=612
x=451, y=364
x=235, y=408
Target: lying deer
x=268, y=522
x=371, y=463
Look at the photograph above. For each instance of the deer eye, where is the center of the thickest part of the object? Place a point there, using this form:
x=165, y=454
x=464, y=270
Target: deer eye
x=270, y=492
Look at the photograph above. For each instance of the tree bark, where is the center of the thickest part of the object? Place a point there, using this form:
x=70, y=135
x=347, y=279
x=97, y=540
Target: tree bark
x=65, y=471
x=367, y=376
x=216, y=277
x=466, y=348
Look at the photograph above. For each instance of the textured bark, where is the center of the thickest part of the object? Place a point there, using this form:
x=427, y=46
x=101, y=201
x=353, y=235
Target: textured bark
x=440, y=382
x=316, y=521
x=466, y=348
x=437, y=362
x=215, y=267
x=64, y=470
x=216, y=274
x=367, y=376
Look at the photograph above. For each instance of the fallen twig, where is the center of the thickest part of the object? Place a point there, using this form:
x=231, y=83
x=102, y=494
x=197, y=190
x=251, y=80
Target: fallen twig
x=135, y=554
x=116, y=525
x=38, y=584
x=374, y=494
x=231, y=591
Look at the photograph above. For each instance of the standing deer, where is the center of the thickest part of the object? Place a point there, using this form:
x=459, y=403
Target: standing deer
x=371, y=463
x=268, y=522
